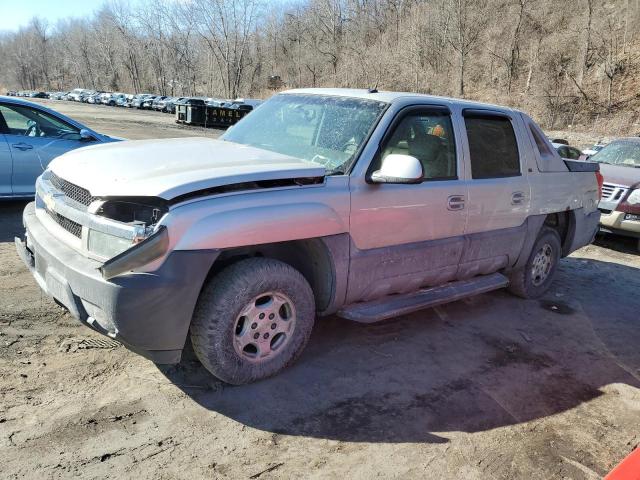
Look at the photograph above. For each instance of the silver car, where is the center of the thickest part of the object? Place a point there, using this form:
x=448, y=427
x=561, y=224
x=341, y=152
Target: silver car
x=30, y=137
x=364, y=204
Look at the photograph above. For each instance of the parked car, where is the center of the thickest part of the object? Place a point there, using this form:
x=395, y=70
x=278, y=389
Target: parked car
x=217, y=102
x=104, y=98
x=589, y=152
x=160, y=104
x=170, y=105
x=111, y=99
x=620, y=204
x=322, y=201
x=566, y=151
x=155, y=104
x=94, y=99
x=38, y=95
x=11, y=93
x=147, y=102
x=138, y=100
x=76, y=94
x=57, y=95
x=30, y=137
x=124, y=101
x=84, y=96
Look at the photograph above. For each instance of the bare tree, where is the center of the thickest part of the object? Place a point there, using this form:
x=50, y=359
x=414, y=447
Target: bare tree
x=469, y=19
x=226, y=27
x=555, y=59
x=611, y=55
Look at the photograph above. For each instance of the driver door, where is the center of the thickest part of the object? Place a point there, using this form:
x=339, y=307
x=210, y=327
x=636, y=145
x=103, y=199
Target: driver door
x=34, y=138
x=408, y=236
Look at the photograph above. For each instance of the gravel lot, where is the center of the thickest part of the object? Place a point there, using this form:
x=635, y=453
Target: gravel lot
x=490, y=387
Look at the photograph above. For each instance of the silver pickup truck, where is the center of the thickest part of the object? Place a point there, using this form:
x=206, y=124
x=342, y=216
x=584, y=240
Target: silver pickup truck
x=359, y=203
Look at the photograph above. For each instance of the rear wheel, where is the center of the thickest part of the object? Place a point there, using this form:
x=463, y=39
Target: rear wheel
x=535, y=278
x=252, y=320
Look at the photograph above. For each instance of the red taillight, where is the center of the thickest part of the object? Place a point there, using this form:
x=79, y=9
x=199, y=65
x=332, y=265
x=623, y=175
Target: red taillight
x=600, y=180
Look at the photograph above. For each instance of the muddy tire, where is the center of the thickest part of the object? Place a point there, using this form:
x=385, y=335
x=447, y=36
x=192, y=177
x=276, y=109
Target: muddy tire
x=535, y=278
x=252, y=320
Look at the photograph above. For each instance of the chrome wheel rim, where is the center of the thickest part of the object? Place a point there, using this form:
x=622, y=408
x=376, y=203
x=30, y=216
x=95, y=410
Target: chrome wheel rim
x=264, y=327
x=541, y=265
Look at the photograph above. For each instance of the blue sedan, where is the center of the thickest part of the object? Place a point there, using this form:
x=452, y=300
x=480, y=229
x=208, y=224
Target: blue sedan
x=30, y=137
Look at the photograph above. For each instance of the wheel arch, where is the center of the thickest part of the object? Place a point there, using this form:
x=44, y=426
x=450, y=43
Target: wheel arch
x=565, y=224
x=322, y=261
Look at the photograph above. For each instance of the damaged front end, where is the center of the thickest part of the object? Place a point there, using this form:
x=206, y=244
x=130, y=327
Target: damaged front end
x=123, y=233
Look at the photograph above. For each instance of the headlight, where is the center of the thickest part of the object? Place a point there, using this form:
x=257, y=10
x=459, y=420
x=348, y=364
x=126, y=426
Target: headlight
x=141, y=214
x=634, y=197
x=106, y=245
x=140, y=254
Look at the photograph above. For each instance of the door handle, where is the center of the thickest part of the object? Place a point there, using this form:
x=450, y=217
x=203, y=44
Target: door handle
x=455, y=202
x=517, y=198
x=22, y=146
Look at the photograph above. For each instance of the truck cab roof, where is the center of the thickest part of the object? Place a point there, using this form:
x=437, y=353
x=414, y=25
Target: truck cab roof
x=392, y=97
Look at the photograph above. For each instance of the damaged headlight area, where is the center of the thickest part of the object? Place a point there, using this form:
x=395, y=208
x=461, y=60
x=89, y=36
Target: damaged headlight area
x=138, y=233
x=140, y=254
x=134, y=211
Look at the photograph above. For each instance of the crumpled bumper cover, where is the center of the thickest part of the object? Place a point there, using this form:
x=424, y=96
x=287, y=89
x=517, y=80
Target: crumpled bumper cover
x=149, y=313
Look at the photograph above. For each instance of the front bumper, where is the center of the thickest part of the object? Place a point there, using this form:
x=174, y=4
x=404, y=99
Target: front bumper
x=149, y=313
x=615, y=222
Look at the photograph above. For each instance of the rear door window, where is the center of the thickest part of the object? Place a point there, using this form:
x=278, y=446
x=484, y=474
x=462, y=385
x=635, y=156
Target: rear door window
x=493, y=148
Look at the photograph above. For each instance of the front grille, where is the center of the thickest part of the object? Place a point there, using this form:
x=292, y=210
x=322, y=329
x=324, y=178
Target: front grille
x=69, y=225
x=72, y=191
x=612, y=193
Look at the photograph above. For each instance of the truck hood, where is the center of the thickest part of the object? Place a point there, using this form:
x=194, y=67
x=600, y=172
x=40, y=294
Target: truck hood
x=168, y=168
x=627, y=176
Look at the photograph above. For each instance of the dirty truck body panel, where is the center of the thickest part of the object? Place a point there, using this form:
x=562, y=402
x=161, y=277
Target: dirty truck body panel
x=215, y=201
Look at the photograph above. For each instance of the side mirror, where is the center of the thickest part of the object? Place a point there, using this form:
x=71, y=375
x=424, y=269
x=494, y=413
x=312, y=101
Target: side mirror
x=86, y=135
x=398, y=168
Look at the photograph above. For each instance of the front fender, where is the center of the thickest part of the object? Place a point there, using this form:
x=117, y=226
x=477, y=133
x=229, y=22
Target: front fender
x=261, y=224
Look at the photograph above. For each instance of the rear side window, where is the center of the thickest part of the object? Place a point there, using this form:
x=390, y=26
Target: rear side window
x=492, y=147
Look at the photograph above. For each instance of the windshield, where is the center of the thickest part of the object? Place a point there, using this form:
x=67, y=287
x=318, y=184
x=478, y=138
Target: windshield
x=323, y=129
x=626, y=154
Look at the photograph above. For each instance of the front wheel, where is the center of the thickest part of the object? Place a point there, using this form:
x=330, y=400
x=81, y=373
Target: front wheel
x=252, y=320
x=535, y=278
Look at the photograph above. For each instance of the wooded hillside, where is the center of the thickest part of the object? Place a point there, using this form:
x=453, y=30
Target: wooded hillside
x=565, y=62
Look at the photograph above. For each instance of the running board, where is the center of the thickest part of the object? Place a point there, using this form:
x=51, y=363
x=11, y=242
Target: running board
x=396, y=305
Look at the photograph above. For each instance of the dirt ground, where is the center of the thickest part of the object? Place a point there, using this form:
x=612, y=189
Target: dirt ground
x=493, y=387
x=132, y=124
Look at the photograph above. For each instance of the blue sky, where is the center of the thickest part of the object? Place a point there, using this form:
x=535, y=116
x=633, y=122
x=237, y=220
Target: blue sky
x=17, y=13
